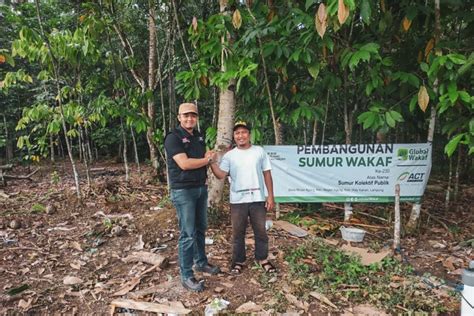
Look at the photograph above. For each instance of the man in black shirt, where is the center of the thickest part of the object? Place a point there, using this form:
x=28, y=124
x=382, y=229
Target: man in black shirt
x=187, y=162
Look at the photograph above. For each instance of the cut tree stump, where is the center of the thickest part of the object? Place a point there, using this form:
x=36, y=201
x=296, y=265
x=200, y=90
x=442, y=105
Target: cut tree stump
x=3, y=170
x=148, y=257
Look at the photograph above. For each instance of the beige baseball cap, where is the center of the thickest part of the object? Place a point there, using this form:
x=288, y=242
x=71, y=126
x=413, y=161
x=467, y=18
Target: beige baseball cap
x=187, y=108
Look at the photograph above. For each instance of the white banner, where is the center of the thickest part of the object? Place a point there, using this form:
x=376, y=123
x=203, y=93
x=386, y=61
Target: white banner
x=349, y=173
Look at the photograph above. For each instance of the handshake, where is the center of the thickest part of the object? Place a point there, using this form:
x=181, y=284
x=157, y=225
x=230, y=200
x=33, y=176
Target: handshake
x=212, y=157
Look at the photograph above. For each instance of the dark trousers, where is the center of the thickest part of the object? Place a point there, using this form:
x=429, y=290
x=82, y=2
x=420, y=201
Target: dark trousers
x=239, y=214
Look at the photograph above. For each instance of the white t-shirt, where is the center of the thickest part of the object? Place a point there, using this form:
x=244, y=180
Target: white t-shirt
x=245, y=168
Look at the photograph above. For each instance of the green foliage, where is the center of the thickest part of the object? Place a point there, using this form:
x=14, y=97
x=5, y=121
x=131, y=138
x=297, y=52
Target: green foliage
x=370, y=69
x=55, y=179
x=108, y=224
x=165, y=202
x=294, y=258
x=211, y=134
x=379, y=118
x=105, y=139
x=38, y=208
x=326, y=269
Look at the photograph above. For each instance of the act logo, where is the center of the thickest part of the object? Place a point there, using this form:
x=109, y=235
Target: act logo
x=412, y=177
x=402, y=154
x=416, y=177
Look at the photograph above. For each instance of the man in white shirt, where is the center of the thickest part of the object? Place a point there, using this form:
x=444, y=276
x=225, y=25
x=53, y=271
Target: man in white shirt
x=251, y=195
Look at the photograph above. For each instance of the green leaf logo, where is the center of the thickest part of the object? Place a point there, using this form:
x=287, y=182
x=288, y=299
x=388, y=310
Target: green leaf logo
x=403, y=176
x=402, y=154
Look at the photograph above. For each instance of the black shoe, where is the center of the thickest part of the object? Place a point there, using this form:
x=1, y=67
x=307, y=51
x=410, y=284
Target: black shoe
x=193, y=285
x=208, y=268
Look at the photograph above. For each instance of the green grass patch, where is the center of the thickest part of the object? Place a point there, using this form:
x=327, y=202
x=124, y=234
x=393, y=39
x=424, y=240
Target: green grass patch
x=37, y=208
x=388, y=284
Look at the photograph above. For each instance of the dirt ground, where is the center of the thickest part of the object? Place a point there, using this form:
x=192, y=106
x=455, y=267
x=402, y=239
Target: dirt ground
x=59, y=255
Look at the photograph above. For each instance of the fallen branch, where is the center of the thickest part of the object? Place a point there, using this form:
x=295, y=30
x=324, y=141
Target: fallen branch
x=439, y=221
x=147, y=306
x=96, y=169
x=127, y=287
x=129, y=216
x=130, y=285
x=356, y=212
x=363, y=225
x=445, y=219
x=27, y=177
x=374, y=235
x=148, y=257
x=323, y=299
x=370, y=215
x=145, y=292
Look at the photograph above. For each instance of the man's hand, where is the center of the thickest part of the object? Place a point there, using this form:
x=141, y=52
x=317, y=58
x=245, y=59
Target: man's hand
x=209, y=155
x=215, y=156
x=269, y=203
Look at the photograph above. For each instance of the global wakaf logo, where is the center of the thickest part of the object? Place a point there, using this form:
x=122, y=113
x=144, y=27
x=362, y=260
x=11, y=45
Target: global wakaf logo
x=402, y=154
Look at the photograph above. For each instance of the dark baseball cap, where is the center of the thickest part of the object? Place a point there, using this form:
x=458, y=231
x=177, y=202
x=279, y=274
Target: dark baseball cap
x=242, y=124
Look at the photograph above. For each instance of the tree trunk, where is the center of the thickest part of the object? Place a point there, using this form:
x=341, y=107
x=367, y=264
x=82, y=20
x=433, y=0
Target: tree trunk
x=171, y=84
x=397, y=225
x=415, y=212
x=305, y=136
x=79, y=146
x=151, y=86
x=347, y=125
x=348, y=118
x=125, y=158
x=88, y=144
x=161, y=58
x=215, y=108
x=8, y=141
x=224, y=125
x=456, y=176
x=325, y=118
x=315, y=132
x=84, y=156
x=51, y=145
x=450, y=181
x=137, y=160
x=68, y=145
x=223, y=141
x=59, y=101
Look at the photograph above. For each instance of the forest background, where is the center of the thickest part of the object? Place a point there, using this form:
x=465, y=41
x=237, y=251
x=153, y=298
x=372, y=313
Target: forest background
x=93, y=79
